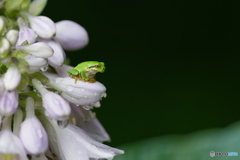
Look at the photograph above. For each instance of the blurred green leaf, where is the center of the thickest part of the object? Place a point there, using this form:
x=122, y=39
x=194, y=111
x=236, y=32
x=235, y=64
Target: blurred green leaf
x=194, y=146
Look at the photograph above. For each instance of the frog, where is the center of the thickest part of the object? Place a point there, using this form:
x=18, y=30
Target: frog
x=86, y=71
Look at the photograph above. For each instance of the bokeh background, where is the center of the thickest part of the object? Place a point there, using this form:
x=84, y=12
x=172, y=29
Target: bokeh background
x=172, y=66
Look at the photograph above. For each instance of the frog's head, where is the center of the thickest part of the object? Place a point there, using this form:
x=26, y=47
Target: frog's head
x=98, y=67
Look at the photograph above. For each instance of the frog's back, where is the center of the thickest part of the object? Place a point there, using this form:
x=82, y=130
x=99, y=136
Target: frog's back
x=86, y=64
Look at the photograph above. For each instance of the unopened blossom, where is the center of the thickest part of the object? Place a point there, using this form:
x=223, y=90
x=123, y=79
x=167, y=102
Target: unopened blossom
x=32, y=133
x=56, y=107
x=8, y=103
x=58, y=58
x=12, y=78
x=4, y=47
x=39, y=49
x=37, y=6
x=43, y=26
x=12, y=36
x=2, y=23
x=71, y=35
x=10, y=145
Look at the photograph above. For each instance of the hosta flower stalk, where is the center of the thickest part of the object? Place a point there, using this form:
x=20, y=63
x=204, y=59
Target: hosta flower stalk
x=45, y=111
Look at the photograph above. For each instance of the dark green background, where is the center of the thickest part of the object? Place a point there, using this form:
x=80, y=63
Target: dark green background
x=172, y=66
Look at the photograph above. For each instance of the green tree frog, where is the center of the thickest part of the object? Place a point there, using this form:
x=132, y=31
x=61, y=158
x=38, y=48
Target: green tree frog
x=86, y=71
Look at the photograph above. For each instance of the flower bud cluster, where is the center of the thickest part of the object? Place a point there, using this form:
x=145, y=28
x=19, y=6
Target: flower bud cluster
x=45, y=113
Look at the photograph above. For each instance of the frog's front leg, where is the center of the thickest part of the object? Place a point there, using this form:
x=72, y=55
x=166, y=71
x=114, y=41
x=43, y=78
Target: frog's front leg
x=84, y=76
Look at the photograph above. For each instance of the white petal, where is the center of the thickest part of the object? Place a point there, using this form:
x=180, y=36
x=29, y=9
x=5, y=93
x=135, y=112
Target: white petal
x=39, y=49
x=12, y=36
x=80, y=93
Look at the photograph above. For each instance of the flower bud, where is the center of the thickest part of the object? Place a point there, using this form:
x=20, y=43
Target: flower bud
x=80, y=93
x=32, y=133
x=36, y=64
x=26, y=34
x=12, y=36
x=56, y=107
x=12, y=78
x=4, y=47
x=71, y=35
x=39, y=49
x=8, y=103
x=2, y=23
x=58, y=58
x=37, y=6
x=43, y=26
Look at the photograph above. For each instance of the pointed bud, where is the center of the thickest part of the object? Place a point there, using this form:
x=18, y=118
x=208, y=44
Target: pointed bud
x=12, y=78
x=80, y=93
x=12, y=36
x=36, y=64
x=58, y=58
x=56, y=107
x=4, y=47
x=8, y=103
x=32, y=133
x=39, y=49
x=43, y=26
x=25, y=34
x=71, y=35
x=37, y=6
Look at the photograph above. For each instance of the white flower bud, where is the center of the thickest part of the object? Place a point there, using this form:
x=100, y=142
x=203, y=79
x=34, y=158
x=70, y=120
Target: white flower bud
x=71, y=35
x=36, y=64
x=12, y=78
x=12, y=36
x=43, y=26
x=2, y=23
x=80, y=93
x=56, y=107
x=37, y=6
x=32, y=133
x=8, y=103
x=26, y=34
x=4, y=47
x=58, y=58
x=39, y=49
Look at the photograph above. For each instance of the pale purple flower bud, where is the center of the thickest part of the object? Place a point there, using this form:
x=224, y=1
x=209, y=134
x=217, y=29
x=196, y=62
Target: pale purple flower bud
x=36, y=64
x=39, y=49
x=32, y=133
x=8, y=103
x=58, y=58
x=80, y=93
x=4, y=47
x=62, y=70
x=37, y=6
x=12, y=78
x=71, y=35
x=56, y=107
x=10, y=145
x=43, y=26
x=12, y=36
